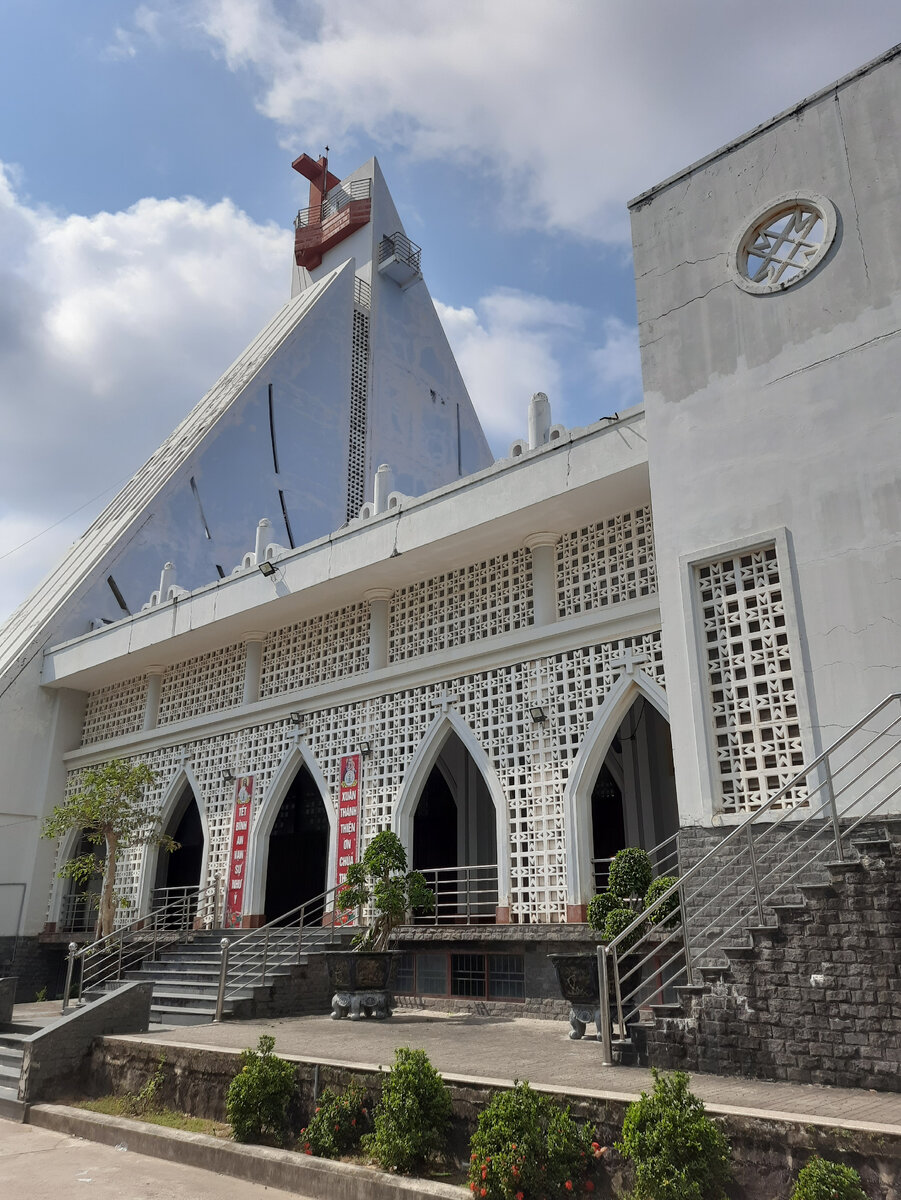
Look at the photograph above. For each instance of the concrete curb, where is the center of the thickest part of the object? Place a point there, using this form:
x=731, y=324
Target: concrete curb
x=284, y=1169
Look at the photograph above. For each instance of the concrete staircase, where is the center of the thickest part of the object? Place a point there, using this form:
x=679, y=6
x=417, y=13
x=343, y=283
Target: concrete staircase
x=12, y=1053
x=185, y=979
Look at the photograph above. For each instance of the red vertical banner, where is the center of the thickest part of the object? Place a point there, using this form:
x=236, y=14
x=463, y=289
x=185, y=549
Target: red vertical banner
x=348, y=815
x=237, y=862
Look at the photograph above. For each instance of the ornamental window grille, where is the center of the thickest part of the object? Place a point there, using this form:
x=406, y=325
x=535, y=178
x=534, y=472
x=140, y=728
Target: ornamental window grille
x=208, y=683
x=783, y=244
x=750, y=680
x=465, y=605
x=320, y=649
x=531, y=760
x=606, y=563
x=115, y=710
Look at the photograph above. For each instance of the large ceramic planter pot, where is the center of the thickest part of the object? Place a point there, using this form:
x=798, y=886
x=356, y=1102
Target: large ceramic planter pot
x=577, y=975
x=360, y=981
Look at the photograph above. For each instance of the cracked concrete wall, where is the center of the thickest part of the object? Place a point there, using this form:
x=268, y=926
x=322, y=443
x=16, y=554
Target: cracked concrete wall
x=781, y=410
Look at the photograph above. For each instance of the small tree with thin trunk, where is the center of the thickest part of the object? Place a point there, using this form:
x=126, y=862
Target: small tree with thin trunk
x=107, y=810
x=382, y=879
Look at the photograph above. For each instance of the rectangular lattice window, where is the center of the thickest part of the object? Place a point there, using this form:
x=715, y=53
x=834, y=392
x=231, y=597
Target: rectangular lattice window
x=208, y=683
x=750, y=680
x=606, y=563
x=319, y=650
x=115, y=710
x=482, y=600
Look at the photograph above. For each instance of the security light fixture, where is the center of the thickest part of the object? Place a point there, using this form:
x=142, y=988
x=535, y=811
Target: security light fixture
x=365, y=748
x=537, y=713
x=266, y=568
x=295, y=718
x=228, y=775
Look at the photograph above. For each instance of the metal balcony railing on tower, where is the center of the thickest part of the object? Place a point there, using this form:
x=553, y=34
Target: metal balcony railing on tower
x=339, y=197
x=400, y=259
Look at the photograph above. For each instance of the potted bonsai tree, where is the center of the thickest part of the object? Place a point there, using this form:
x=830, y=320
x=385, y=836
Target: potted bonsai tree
x=360, y=977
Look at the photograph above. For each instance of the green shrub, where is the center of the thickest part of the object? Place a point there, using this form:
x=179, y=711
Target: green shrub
x=664, y=913
x=630, y=873
x=598, y=908
x=823, y=1180
x=526, y=1146
x=259, y=1095
x=618, y=920
x=339, y=1122
x=677, y=1152
x=412, y=1115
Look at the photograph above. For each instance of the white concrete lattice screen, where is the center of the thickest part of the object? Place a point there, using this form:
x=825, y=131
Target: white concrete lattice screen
x=750, y=681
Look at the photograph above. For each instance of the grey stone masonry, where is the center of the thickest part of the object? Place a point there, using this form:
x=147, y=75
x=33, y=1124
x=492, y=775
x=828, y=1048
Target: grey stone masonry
x=7, y=998
x=814, y=998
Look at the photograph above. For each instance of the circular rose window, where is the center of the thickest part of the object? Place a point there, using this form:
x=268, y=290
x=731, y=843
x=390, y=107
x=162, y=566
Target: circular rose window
x=784, y=243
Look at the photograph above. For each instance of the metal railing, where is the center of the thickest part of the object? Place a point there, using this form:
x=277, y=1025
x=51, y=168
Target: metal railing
x=108, y=958
x=398, y=245
x=463, y=895
x=246, y=961
x=78, y=912
x=362, y=293
x=339, y=197
x=664, y=859
x=760, y=860
x=180, y=904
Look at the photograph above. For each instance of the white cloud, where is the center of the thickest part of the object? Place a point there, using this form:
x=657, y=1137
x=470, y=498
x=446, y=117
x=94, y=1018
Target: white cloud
x=572, y=107
x=618, y=363
x=112, y=326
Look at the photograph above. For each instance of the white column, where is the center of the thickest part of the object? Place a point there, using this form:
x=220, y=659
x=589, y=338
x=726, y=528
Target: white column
x=253, y=666
x=544, y=576
x=539, y=421
x=382, y=488
x=379, y=620
x=152, y=699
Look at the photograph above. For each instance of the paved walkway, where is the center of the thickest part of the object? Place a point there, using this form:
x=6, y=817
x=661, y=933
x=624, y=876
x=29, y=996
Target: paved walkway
x=36, y=1164
x=499, y=1051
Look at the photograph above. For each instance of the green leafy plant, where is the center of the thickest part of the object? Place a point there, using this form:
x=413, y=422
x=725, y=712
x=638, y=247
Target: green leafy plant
x=618, y=920
x=382, y=880
x=412, y=1115
x=630, y=873
x=824, y=1180
x=677, y=1151
x=527, y=1146
x=108, y=809
x=259, y=1095
x=40, y=995
x=664, y=914
x=148, y=1099
x=339, y=1122
x=598, y=908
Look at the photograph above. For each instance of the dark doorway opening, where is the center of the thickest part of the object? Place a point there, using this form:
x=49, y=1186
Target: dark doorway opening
x=298, y=849
x=455, y=837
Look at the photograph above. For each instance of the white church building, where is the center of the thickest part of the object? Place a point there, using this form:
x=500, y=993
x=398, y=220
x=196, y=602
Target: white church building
x=616, y=635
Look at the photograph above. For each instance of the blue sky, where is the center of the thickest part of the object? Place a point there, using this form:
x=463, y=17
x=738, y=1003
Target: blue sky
x=146, y=195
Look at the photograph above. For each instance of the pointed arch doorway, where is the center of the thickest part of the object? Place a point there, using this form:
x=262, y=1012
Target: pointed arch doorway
x=633, y=797
x=454, y=836
x=176, y=878
x=298, y=848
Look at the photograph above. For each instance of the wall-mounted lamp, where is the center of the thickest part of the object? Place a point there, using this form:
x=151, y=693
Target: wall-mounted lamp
x=537, y=713
x=266, y=568
x=365, y=748
x=228, y=775
x=295, y=718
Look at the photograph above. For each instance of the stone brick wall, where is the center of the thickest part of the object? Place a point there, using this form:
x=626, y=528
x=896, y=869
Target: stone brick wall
x=36, y=964
x=812, y=1000
x=766, y=1153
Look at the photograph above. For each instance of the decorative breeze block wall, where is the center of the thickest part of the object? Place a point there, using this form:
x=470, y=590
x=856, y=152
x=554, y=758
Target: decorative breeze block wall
x=750, y=680
x=606, y=563
x=320, y=649
x=115, y=710
x=208, y=683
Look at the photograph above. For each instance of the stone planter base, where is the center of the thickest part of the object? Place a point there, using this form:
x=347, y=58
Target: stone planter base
x=375, y=1003
x=581, y=1015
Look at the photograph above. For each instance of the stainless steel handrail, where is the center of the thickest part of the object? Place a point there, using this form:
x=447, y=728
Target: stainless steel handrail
x=246, y=960
x=108, y=958
x=747, y=872
x=664, y=864
x=463, y=895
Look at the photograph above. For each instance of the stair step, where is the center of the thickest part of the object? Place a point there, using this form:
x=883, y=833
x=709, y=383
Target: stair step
x=11, y=1107
x=873, y=847
x=164, y=1014
x=714, y=974
x=692, y=989
x=666, y=1010
x=738, y=952
x=817, y=891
